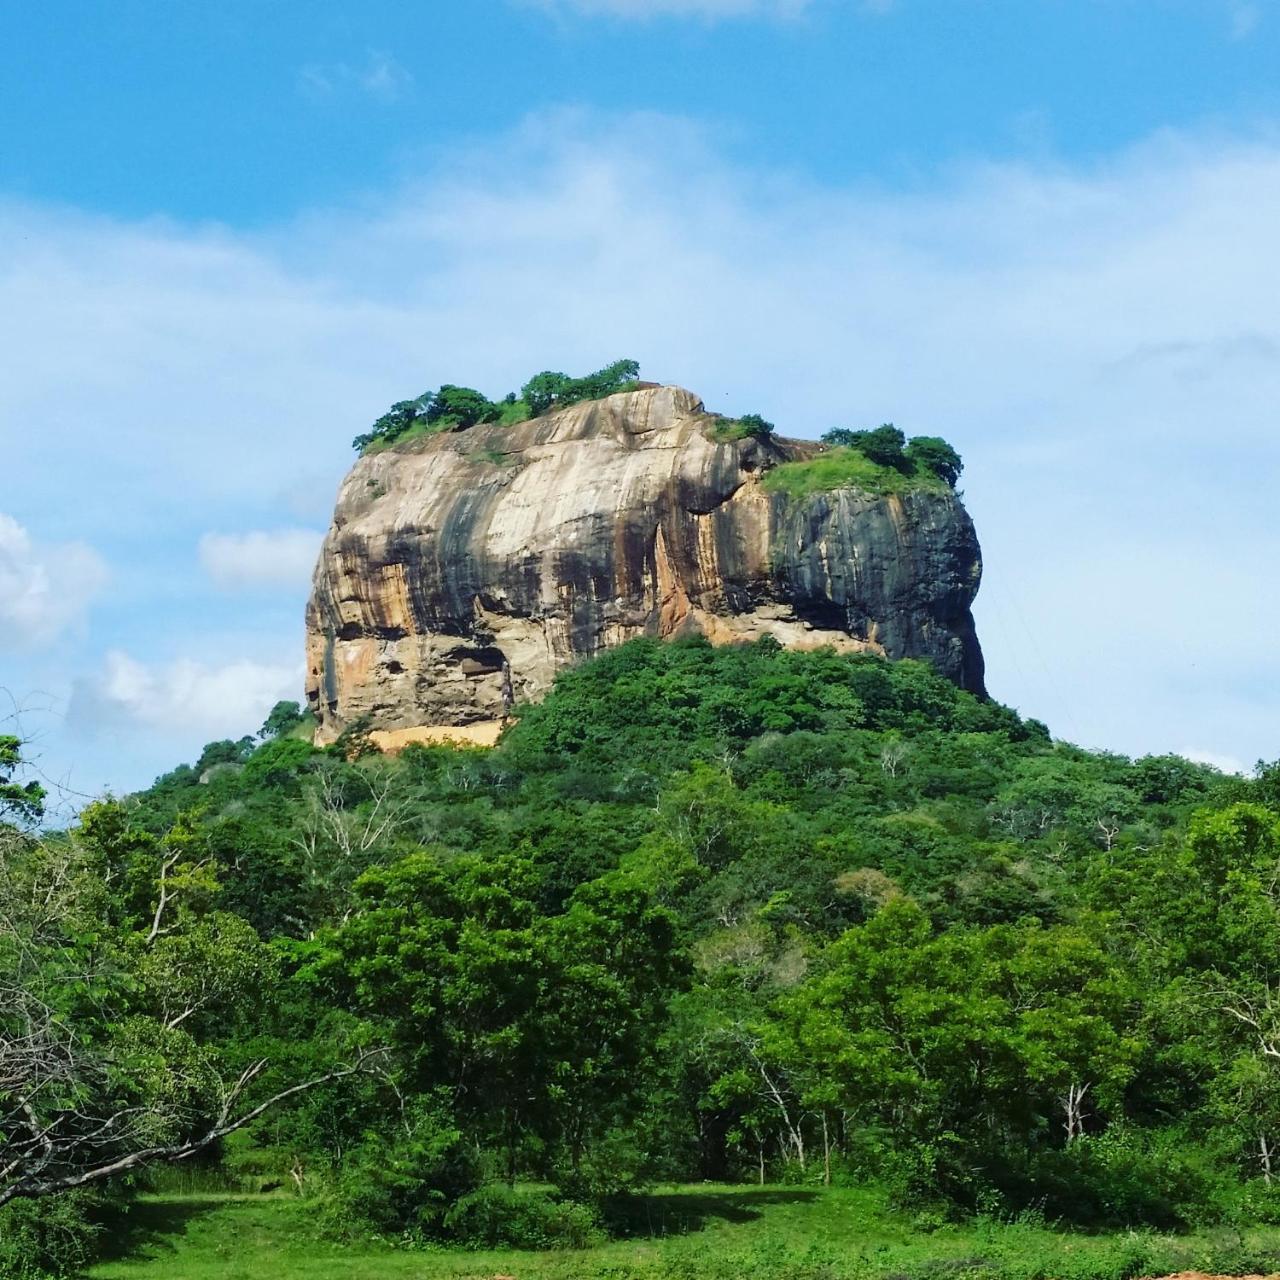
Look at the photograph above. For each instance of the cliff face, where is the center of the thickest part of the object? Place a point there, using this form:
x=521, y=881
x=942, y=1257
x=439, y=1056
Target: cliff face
x=463, y=570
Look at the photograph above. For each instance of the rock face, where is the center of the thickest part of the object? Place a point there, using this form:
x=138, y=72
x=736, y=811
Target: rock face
x=464, y=569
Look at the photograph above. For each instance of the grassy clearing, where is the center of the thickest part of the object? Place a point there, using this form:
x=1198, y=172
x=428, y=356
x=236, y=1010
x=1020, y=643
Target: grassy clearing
x=508, y=416
x=845, y=468
x=415, y=432
x=727, y=430
x=688, y=1233
x=517, y=411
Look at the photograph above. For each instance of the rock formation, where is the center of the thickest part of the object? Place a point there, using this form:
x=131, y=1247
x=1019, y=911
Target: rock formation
x=462, y=570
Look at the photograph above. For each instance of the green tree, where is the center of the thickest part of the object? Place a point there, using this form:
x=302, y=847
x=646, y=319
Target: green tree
x=22, y=800
x=460, y=407
x=543, y=390
x=932, y=453
x=283, y=718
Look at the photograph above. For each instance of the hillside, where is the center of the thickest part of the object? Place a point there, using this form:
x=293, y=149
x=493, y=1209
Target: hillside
x=736, y=913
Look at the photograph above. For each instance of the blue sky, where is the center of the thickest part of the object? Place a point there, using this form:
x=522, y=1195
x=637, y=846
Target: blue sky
x=230, y=235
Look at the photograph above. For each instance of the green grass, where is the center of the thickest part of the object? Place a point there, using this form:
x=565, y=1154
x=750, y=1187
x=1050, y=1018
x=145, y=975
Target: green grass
x=685, y=1233
x=416, y=432
x=845, y=468
x=727, y=430
x=508, y=416
x=513, y=413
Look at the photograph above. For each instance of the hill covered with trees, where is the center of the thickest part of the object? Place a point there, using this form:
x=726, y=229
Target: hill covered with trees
x=742, y=914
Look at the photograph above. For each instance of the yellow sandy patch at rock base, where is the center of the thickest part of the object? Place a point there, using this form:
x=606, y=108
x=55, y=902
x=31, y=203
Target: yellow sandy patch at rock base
x=484, y=733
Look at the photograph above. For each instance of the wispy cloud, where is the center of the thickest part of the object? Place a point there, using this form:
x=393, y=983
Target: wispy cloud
x=43, y=588
x=1098, y=342
x=379, y=76
x=206, y=700
x=282, y=557
x=1244, y=17
x=1221, y=762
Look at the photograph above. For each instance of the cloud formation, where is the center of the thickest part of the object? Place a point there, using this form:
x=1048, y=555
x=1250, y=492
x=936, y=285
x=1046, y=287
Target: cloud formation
x=194, y=700
x=1099, y=343
x=379, y=76
x=43, y=588
x=281, y=558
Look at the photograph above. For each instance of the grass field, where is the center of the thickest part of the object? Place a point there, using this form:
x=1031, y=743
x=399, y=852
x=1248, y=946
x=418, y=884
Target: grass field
x=691, y=1233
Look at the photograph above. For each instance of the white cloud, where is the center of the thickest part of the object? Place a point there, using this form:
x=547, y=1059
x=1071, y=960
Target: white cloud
x=1224, y=763
x=280, y=558
x=1100, y=343
x=43, y=588
x=1244, y=17
x=379, y=76
x=185, y=698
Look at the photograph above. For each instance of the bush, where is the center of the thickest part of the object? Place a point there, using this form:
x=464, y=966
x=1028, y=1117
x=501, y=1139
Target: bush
x=847, y=468
x=1119, y=1179
x=403, y=1185
x=495, y=1216
x=751, y=426
x=55, y=1236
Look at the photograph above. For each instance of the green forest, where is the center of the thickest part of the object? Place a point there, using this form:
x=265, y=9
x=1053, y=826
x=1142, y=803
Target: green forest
x=786, y=924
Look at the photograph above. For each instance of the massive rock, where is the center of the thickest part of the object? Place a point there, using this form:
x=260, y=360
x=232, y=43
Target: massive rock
x=464, y=569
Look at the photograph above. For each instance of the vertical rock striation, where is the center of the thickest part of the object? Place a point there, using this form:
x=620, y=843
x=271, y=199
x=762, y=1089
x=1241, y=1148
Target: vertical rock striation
x=462, y=570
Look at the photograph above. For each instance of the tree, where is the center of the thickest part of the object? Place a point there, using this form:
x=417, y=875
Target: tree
x=934, y=454
x=460, y=407
x=546, y=389
x=402, y=415
x=756, y=425
x=883, y=445
x=283, y=718
x=91, y=1084
x=543, y=390
x=22, y=800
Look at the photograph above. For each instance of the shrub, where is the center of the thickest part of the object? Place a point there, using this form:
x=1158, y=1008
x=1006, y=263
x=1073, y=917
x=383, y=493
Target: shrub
x=495, y=1216
x=847, y=468
x=751, y=426
x=403, y=1185
x=52, y=1237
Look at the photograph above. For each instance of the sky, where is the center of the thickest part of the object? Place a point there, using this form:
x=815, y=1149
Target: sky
x=231, y=235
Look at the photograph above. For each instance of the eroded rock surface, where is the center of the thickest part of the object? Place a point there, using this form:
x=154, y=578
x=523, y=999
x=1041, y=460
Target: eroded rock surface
x=463, y=570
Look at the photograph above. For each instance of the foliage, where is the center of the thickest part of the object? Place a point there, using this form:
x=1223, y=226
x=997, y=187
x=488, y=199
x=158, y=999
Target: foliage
x=897, y=464
x=846, y=467
x=459, y=407
x=454, y=408
x=734, y=914
x=699, y=1232
x=21, y=800
x=548, y=390
x=932, y=453
x=45, y=1239
x=282, y=719
x=748, y=426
